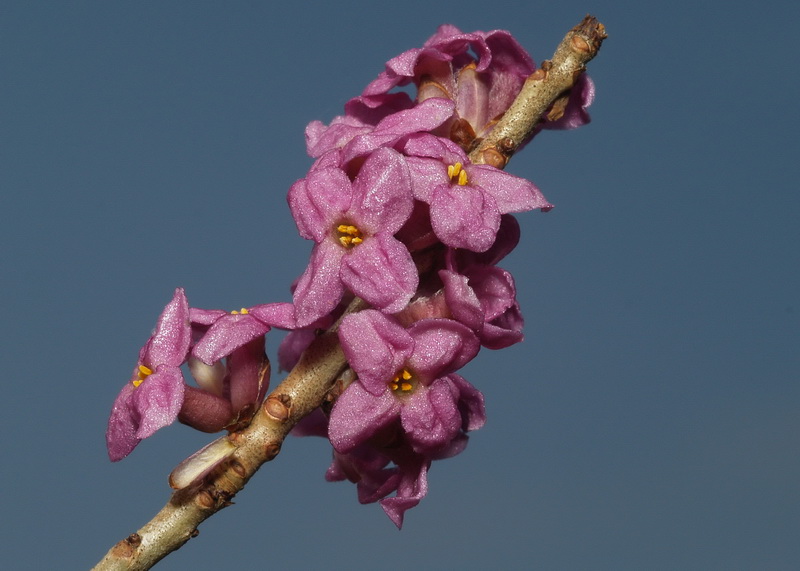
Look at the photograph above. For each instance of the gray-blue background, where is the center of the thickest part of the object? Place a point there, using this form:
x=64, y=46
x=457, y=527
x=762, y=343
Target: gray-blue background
x=651, y=420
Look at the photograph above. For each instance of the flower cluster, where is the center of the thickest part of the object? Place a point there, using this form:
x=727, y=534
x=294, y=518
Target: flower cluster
x=402, y=219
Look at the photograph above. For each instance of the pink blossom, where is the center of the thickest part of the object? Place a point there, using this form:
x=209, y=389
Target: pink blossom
x=481, y=72
x=466, y=200
x=157, y=394
x=153, y=397
x=405, y=374
x=356, y=138
x=353, y=224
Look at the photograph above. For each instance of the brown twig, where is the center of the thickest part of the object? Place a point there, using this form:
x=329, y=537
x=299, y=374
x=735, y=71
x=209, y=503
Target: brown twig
x=543, y=88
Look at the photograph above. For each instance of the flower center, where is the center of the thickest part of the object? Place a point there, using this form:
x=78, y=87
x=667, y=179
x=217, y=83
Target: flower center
x=143, y=373
x=242, y=311
x=349, y=235
x=403, y=382
x=457, y=174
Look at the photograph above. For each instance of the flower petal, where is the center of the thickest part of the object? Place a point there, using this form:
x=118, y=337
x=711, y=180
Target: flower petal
x=158, y=400
x=170, y=342
x=320, y=288
x=121, y=436
x=441, y=346
x=381, y=271
x=470, y=402
x=412, y=488
x=464, y=217
x=382, y=199
x=358, y=414
x=375, y=346
x=431, y=417
x=228, y=334
x=319, y=200
x=511, y=193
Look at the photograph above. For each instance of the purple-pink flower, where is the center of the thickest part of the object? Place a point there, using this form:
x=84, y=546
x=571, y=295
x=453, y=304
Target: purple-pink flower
x=153, y=397
x=484, y=299
x=356, y=139
x=406, y=375
x=445, y=67
x=353, y=224
x=227, y=392
x=466, y=200
x=481, y=72
x=379, y=472
x=230, y=390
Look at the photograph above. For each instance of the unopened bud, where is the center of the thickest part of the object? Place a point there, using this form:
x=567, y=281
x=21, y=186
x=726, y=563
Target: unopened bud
x=208, y=377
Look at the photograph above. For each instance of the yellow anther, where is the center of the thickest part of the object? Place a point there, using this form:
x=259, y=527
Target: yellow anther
x=457, y=174
x=349, y=235
x=401, y=382
x=143, y=373
x=347, y=229
x=242, y=311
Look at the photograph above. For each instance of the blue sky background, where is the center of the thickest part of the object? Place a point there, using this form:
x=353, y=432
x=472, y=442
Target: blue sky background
x=651, y=419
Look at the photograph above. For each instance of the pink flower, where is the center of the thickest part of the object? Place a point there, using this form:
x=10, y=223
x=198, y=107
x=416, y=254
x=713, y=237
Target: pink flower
x=482, y=85
x=153, y=397
x=379, y=469
x=227, y=392
x=230, y=367
x=484, y=299
x=406, y=375
x=466, y=200
x=353, y=224
x=356, y=138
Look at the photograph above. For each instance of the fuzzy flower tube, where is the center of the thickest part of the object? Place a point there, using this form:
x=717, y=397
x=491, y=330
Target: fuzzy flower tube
x=410, y=213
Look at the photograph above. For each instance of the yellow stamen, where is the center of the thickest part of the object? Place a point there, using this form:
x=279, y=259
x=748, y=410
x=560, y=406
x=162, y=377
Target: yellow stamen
x=457, y=174
x=349, y=235
x=402, y=382
x=143, y=373
x=242, y=311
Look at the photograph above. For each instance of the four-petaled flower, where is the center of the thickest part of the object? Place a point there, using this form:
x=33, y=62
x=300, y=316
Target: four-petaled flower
x=153, y=397
x=225, y=354
x=353, y=224
x=466, y=200
x=406, y=375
